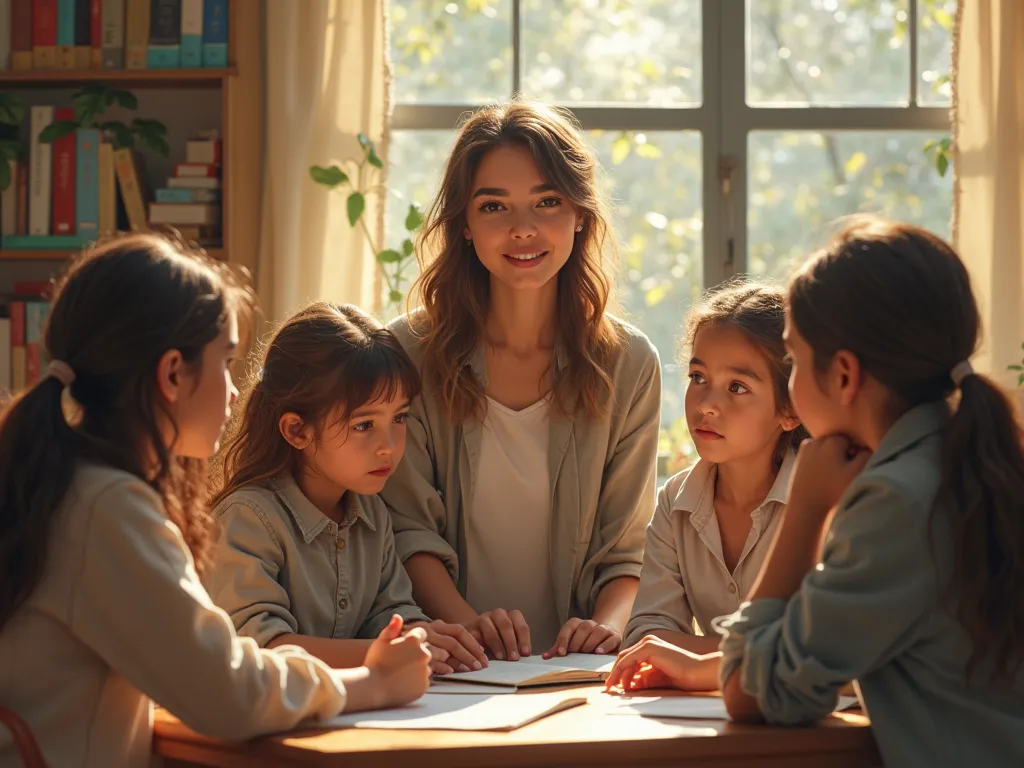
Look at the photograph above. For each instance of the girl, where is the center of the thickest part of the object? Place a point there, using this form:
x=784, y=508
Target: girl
x=715, y=521
x=102, y=529
x=306, y=555
x=917, y=591
x=521, y=509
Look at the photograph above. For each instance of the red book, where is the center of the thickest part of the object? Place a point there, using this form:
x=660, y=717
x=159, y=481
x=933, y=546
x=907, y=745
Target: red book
x=41, y=288
x=64, y=177
x=196, y=169
x=96, y=35
x=44, y=34
x=21, y=36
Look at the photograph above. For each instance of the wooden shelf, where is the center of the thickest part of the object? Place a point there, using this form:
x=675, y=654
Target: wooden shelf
x=64, y=255
x=137, y=78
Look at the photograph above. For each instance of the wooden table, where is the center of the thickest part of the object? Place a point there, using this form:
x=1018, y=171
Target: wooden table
x=582, y=736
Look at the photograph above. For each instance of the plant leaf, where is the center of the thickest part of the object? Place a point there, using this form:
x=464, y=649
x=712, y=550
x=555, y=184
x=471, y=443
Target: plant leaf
x=364, y=141
x=1020, y=380
x=356, y=206
x=330, y=176
x=408, y=247
x=395, y=297
x=389, y=256
x=12, y=112
x=620, y=149
x=5, y=175
x=1015, y=367
x=942, y=164
x=126, y=99
x=930, y=145
x=855, y=163
x=158, y=144
x=154, y=127
x=57, y=130
x=414, y=218
x=373, y=159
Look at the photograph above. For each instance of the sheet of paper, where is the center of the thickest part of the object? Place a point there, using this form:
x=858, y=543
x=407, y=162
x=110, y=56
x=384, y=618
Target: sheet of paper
x=690, y=707
x=478, y=689
x=518, y=672
x=590, y=661
x=462, y=713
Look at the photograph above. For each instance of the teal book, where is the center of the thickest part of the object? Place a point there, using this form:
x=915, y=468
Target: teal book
x=215, y=33
x=87, y=184
x=41, y=242
x=192, y=33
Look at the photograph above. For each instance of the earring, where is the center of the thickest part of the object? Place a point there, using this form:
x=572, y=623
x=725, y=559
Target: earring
x=579, y=227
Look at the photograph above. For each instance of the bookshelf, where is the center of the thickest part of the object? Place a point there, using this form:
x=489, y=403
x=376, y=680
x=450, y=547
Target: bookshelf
x=125, y=78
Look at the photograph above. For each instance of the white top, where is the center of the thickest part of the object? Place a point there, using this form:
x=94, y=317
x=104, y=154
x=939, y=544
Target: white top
x=121, y=619
x=508, y=529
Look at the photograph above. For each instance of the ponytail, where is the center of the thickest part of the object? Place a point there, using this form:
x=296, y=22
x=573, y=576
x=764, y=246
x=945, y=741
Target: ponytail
x=37, y=453
x=983, y=488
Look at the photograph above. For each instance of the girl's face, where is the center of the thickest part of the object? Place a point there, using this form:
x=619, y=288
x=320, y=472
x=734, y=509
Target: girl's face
x=200, y=397
x=816, y=401
x=522, y=228
x=730, y=402
x=359, y=455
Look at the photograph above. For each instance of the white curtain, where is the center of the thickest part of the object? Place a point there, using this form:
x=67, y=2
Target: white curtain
x=988, y=158
x=326, y=81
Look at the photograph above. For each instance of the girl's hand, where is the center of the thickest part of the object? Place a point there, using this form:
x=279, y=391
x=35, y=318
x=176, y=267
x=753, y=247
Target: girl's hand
x=398, y=665
x=452, y=647
x=654, y=663
x=824, y=469
x=503, y=633
x=585, y=636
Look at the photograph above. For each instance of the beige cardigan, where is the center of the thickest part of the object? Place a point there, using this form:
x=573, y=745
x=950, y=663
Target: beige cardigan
x=603, y=475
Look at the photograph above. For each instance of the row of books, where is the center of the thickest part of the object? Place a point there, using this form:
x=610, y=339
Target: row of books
x=23, y=316
x=81, y=188
x=113, y=34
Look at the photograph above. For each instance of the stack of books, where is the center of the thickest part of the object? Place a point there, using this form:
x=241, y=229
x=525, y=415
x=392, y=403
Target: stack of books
x=113, y=34
x=191, y=201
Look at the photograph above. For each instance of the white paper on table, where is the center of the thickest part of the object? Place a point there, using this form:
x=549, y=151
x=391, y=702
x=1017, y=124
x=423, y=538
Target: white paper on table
x=573, y=668
x=689, y=707
x=462, y=713
x=476, y=689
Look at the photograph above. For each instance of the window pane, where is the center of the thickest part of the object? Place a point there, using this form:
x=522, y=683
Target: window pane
x=445, y=52
x=934, y=48
x=827, y=52
x=636, y=51
x=799, y=182
x=655, y=184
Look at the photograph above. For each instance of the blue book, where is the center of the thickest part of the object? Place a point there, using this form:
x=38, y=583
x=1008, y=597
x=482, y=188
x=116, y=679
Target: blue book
x=215, y=33
x=164, y=34
x=87, y=184
x=187, y=195
x=66, y=28
x=191, y=33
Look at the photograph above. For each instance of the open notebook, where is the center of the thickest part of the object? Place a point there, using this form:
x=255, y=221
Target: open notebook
x=532, y=671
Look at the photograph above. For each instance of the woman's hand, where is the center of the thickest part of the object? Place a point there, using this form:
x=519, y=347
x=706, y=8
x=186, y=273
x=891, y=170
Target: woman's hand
x=452, y=647
x=654, y=663
x=585, y=636
x=824, y=469
x=504, y=633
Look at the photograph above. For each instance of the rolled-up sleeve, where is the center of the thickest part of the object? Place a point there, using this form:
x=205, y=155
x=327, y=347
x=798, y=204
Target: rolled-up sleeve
x=661, y=601
x=417, y=508
x=245, y=573
x=855, y=611
x=628, y=487
x=395, y=594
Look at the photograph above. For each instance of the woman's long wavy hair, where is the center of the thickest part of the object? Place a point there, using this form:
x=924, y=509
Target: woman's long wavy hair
x=115, y=313
x=323, y=363
x=454, y=287
x=899, y=298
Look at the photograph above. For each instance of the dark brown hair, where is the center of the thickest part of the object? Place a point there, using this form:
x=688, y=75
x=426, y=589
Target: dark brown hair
x=322, y=364
x=899, y=298
x=454, y=287
x=116, y=312
x=759, y=311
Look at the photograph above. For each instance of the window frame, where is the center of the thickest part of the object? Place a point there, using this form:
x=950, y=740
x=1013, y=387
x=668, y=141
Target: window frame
x=723, y=119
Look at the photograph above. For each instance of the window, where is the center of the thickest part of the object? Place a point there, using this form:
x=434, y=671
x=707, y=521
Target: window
x=732, y=131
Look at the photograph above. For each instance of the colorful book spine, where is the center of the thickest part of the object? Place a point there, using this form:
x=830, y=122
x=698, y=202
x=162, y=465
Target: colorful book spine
x=193, y=182
x=96, y=34
x=5, y=354
x=83, y=33
x=87, y=184
x=64, y=178
x=215, y=33
x=44, y=34
x=9, y=204
x=66, y=34
x=170, y=195
x=18, y=367
x=132, y=188
x=210, y=170
x=21, y=36
x=113, y=34
x=5, y=34
x=107, y=190
x=136, y=33
x=165, y=34
x=40, y=175
x=191, y=33
x=36, y=313
x=41, y=242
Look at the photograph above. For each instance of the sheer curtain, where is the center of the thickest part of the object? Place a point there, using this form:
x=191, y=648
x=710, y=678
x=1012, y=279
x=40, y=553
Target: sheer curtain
x=326, y=81
x=988, y=158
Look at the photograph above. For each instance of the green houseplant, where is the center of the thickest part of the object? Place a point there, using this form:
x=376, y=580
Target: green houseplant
x=91, y=102
x=12, y=115
x=361, y=178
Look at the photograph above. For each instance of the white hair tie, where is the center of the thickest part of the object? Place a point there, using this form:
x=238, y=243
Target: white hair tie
x=61, y=371
x=961, y=371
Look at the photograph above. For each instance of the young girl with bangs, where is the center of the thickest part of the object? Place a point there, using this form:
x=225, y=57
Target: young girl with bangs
x=306, y=554
x=915, y=476
x=530, y=476
x=104, y=533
